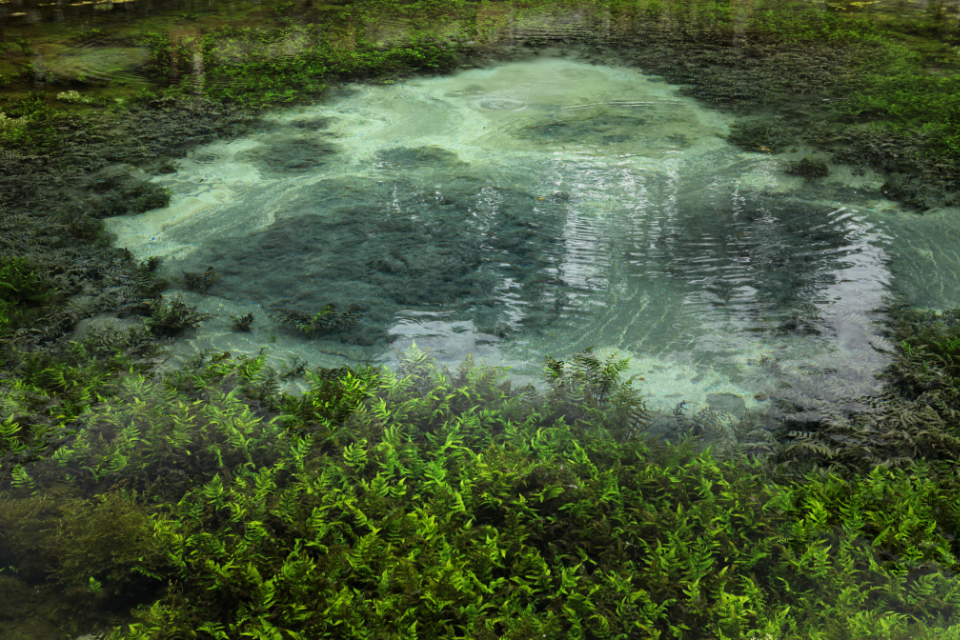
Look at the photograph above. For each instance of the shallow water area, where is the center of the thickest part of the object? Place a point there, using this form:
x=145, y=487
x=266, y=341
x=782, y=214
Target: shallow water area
x=535, y=207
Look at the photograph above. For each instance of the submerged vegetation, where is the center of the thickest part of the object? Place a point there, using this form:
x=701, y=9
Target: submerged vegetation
x=424, y=502
x=458, y=505
x=809, y=168
x=327, y=320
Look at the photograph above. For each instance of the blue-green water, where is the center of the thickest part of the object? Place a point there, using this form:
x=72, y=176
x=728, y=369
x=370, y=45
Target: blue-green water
x=544, y=206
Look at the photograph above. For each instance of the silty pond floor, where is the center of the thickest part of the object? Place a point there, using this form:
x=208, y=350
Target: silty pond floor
x=544, y=206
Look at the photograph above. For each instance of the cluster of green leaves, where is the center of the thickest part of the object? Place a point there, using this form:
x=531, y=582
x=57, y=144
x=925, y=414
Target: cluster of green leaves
x=155, y=438
x=929, y=367
x=42, y=392
x=15, y=47
x=429, y=503
x=423, y=53
x=159, y=68
x=25, y=293
x=84, y=557
x=326, y=320
x=172, y=316
x=902, y=95
x=256, y=67
x=37, y=118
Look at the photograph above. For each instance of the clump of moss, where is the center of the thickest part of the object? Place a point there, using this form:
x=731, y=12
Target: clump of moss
x=123, y=196
x=905, y=189
x=809, y=168
x=760, y=135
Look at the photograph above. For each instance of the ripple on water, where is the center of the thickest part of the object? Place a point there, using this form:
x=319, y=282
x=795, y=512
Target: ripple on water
x=529, y=209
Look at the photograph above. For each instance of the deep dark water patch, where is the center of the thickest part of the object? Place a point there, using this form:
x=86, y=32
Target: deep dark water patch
x=286, y=155
x=312, y=124
x=396, y=245
x=761, y=258
x=781, y=249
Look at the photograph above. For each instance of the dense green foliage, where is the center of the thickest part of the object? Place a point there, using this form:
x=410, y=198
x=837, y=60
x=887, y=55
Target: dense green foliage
x=432, y=503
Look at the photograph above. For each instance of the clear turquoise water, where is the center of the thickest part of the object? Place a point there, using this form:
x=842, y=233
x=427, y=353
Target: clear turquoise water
x=544, y=206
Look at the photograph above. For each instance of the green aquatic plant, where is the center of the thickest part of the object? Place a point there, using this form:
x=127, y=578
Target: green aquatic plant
x=172, y=317
x=760, y=135
x=809, y=168
x=912, y=423
x=25, y=293
x=74, y=97
x=447, y=502
x=451, y=503
x=242, y=323
x=45, y=390
x=455, y=502
x=87, y=556
x=32, y=123
x=260, y=66
x=122, y=196
x=327, y=320
x=155, y=444
x=588, y=390
x=200, y=282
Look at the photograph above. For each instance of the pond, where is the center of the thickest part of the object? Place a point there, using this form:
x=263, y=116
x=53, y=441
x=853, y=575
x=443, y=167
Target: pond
x=541, y=206
x=736, y=197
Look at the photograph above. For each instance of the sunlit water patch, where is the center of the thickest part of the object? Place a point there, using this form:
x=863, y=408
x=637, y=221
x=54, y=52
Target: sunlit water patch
x=533, y=208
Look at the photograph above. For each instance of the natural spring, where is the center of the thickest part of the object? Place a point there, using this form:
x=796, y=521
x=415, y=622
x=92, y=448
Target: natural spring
x=547, y=204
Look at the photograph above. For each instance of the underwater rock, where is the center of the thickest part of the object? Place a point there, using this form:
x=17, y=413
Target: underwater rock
x=760, y=135
x=907, y=190
x=103, y=322
x=122, y=189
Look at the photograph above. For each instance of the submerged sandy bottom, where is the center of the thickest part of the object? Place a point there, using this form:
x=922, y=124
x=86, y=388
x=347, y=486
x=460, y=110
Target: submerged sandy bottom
x=535, y=208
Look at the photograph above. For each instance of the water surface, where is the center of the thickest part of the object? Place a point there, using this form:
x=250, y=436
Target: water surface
x=544, y=206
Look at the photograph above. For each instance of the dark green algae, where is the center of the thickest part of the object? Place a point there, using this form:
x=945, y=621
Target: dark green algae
x=202, y=488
